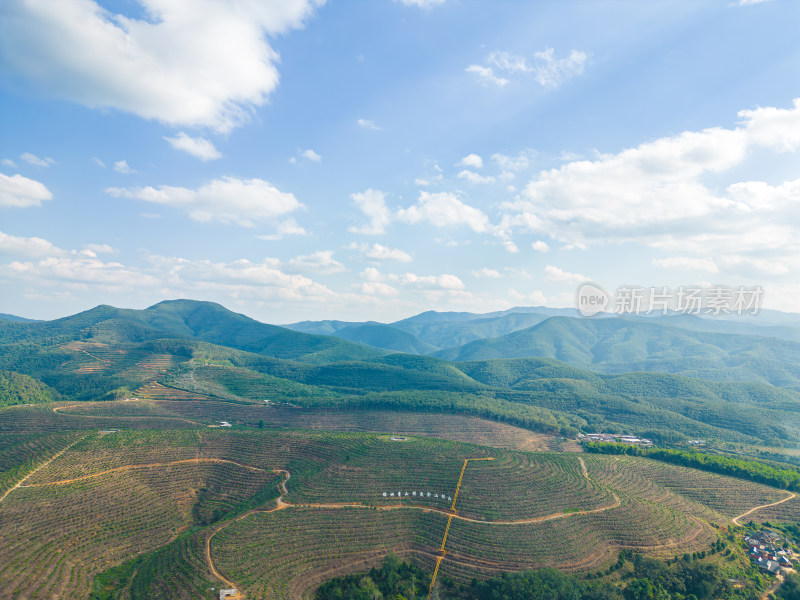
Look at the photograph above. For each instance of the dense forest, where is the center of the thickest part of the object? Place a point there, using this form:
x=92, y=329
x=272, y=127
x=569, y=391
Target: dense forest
x=786, y=479
x=642, y=578
x=21, y=389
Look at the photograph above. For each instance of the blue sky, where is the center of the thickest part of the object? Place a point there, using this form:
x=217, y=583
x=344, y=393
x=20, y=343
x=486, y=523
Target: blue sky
x=372, y=159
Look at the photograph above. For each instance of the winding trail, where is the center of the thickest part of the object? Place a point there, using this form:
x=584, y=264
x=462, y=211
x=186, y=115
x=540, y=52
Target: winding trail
x=58, y=409
x=142, y=466
x=752, y=510
x=281, y=504
x=19, y=484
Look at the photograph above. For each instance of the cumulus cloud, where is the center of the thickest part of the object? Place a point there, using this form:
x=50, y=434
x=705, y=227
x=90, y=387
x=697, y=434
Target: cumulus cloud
x=474, y=177
x=286, y=227
x=486, y=272
x=21, y=192
x=99, y=248
x=320, y=262
x=179, y=64
x=199, y=147
x=244, y=278
x=444, y=209
x=537, y=297
x=688, y=264
x=423, y=4
x=122, y=166
x=656, y=193
x=32, y=159
x=311, y=155
x=81, y=270
x=540, y=246
x=558, y=275
x=376, y=288
x=381, y=252
x=26, y=246
x=227, y=200
x=367, y=124
x=514, y=163
x=373, y=204
x=429, y=282
x=471, y=160
x=545, y=68
x=486, y=75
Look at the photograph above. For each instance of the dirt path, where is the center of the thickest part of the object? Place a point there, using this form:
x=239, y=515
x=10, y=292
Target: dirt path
x=143, y=466
x=58, y=409
x=752, y=510
x=19, y=484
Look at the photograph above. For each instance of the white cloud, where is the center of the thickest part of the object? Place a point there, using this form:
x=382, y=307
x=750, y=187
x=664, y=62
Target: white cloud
x=486, y=272
x=7, y=162
x=121, y=166
x=371, y=274
x=227, y=200
x=655, y=193
x=423, y=4
x=81, y=270
x=486, y=75
x=367, y=124
x=32, y=159
x=444, y=209
x=751, y=2
x=547, y=70
x=514, y=163
x=560, y=276
x=688, y=264
x=286, y=227
x=21, y=192
x=373, y=204
x=240, y=278
x=182, y=64
x=99, y=162
x=429, y=282
x=381, y=252
x=537, y=297
x=471, y=160
x=311, y=155
x=26, y=247
x=474, y=177
x=551, y=72
x=320, y=262
x=99, y=248
x=199, y=147
x=376, y=288
x=540, y=246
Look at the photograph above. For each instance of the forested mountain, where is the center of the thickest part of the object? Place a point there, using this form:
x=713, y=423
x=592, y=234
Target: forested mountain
x=618, y=345
x=641, y=375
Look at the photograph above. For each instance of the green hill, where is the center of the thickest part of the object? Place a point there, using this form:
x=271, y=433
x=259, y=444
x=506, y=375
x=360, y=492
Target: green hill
x=619, y=345
x=16, y=388
x=386, y=337
x=185, y=319
x=449, y=334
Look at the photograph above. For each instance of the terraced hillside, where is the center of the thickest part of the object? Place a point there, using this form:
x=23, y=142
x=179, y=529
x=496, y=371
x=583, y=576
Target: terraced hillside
x=200, y=503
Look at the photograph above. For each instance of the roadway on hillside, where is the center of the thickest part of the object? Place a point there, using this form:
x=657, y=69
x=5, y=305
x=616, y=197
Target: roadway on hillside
x=282, y=504
x=752, y=510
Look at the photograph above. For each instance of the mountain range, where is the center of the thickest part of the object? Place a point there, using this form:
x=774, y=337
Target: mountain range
x=541, y=368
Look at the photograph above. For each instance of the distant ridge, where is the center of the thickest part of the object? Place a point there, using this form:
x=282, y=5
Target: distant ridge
x=7, y=317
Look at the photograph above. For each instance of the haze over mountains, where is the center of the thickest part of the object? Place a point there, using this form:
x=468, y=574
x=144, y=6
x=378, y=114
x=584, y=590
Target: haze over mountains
x=663, y=376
